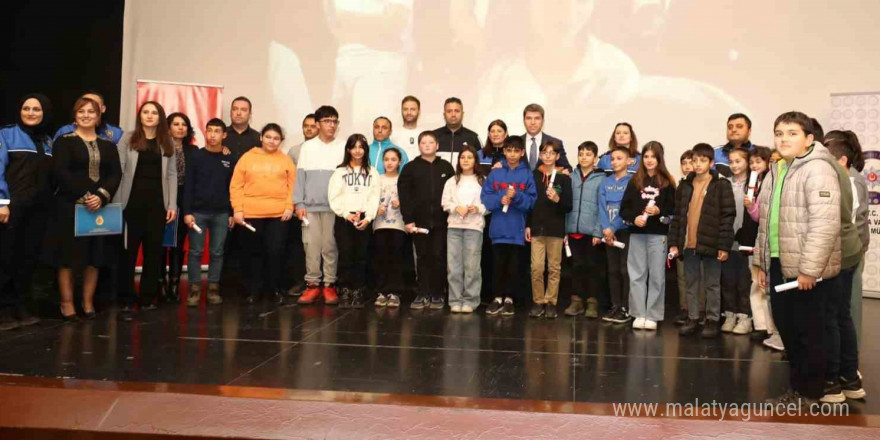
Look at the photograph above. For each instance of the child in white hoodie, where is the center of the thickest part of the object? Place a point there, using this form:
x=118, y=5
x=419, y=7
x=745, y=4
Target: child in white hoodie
x=354, y=198
x=464, y=238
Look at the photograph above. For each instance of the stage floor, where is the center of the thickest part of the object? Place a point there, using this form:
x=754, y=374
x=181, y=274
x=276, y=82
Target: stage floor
x=404, y=352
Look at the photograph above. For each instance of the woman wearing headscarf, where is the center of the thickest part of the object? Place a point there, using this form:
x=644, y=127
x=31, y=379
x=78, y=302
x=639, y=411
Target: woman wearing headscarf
x=25, y=195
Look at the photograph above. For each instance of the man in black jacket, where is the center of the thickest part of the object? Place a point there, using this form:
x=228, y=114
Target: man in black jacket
x=420, y=187
x=452, y=136
x=702, y=232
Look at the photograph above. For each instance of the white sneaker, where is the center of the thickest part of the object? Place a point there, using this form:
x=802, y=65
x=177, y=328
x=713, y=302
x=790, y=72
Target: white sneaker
x=775, y=342
x=381, y=301
x=729, y=322
x=456, y=308
x=743, y=324
x=393, y=300
x=467, y=309
x=650, y=325
x=639, y=323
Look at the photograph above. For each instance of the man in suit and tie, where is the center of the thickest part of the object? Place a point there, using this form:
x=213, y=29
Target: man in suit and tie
x=533, y=119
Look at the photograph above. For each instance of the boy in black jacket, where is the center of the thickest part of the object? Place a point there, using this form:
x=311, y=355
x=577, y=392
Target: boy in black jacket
x=702, y=232
x=546, y=229
x=420, y=187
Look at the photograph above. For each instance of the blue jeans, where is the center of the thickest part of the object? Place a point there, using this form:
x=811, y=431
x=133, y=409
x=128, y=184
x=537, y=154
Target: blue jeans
x=464, y=249
x=646, y=265
x=217, y=225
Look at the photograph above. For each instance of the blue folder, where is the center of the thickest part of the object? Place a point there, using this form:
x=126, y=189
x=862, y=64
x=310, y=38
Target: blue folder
x=170, y=237
x=105, y=221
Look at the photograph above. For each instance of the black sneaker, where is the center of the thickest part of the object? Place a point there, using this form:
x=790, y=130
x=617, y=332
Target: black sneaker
x=833, y=393
x=550, y=311
x=345, y=298
x=689, y=327
x=277, y=298
x=710, y=329
x=758, y=335
x=624, y=315
x=537, y=311
x=507, y=310
x=682, y=317
x=420, y=303
x=610, y=314
x=495, y=307
x=852, y=389
x=437, y=303
x=357, y=299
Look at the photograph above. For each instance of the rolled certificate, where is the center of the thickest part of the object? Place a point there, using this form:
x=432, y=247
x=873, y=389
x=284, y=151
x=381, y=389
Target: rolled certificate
x=746, y=248
x=196, y=228
x=552, y=176
x=306, y=222
x=671, y=256
x=619, y=244
x=567, y=248
x=248, y=225
x=753, y=182
x=421, y=230
x=504, y=209
x=791, y=285
x=650, y=204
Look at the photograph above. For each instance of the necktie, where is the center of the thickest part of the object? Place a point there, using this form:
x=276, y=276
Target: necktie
x=533, y=154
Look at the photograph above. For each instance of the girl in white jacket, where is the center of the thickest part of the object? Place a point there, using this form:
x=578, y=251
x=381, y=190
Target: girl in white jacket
x=354, y=198
x=464, y=238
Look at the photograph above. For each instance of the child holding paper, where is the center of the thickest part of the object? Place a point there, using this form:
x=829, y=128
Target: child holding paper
x=354, y=198
x=702, y=233
x=389, y=235
x=546, y=229
x=616, y=235
x=687, y=167
x=799, y=239
x=735, y=274
x=513, y=187
x=648, y=203
x=464, y=236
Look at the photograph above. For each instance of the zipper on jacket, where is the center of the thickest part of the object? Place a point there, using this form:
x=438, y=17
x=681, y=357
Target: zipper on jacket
x=577, y=226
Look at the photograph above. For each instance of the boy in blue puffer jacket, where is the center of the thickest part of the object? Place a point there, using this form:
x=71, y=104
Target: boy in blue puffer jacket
x=509, y=193
x=615, y=233
x=584, y=237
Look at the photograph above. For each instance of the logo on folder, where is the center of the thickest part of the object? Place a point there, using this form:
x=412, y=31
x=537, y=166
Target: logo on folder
x=99, y=220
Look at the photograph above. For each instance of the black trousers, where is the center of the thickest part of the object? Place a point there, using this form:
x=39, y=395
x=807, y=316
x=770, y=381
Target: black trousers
x=800, y=318
x=20, y=242
x=618, y=274
x=588, y=278
x=145, y=226
x=843, y=345
x=264, y=250
x=506, y=258
x=294, y=256
x=173, y=256
x=352, y=245
x=431, y=262
x=736, y=284
x=388, y=260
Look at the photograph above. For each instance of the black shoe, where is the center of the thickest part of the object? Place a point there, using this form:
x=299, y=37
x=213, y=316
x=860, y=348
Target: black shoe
x=852, y=389
x=682, y=317
x=550, y=311
x=89, y=315
x=420, y=303
x=537, y=311
x=8, y=322
x=345, y=297
x=24, y=318
x=297, y=290
x=357, y=299
x=149, y=306
x=126, y=308
x=173, y=291
x=250, y=299
x=620, y=316
x=277, y=298
x=759, y=335
x=507, y=309
x=833, y=393
x=495, y=307
x=710, y=329
x=689, y=327
x=610, y=314
x=437, y=303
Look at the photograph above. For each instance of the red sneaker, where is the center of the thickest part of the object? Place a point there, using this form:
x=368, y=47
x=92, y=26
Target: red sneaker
x=310, y=295
x=330, y=297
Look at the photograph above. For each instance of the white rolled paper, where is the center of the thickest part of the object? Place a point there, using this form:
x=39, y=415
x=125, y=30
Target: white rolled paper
x=619, y=244
x=248, y=225
x=671, y=256
x=504, y=209
x=567, y=249
x=196, y=228
x=553, y=177
x=422, y=231
x=791, y=285
x=753, y=182
x=746, y=248
x=306, y=222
